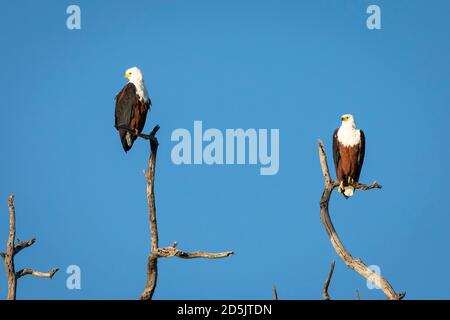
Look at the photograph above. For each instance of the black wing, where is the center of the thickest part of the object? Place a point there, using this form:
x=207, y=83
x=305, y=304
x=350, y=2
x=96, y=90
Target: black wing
x=336, y=155
x=125, y=106
x=362, y=152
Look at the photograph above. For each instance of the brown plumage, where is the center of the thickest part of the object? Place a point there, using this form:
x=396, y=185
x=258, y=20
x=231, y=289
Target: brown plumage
x=349, y=157
x=131, y=111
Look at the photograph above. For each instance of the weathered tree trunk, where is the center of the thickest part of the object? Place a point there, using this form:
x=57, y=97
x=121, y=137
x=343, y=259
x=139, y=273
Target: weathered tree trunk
x=355, y=264
x=12, y=250
x=156, y=252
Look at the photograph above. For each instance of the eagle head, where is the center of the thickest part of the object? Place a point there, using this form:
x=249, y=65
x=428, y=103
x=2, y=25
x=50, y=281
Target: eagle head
x=348, y=120
x=134, y=75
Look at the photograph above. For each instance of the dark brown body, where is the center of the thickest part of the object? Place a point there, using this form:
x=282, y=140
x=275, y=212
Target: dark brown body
x=348, y=161
x=131, y=111
x=347, y=167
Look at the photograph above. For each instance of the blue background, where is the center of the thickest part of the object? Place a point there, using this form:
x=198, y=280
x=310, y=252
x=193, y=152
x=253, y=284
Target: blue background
x=292, y=65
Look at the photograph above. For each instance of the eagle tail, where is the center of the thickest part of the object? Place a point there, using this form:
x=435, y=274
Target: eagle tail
x=125, y=138
x=128, y=138
x=348, y=191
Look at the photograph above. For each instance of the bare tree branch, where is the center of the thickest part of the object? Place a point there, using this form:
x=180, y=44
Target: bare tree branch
x=275, y=293
x=12, y=250
x=152, y=260
x=325, y=294
x=140, y=135
x=156, y=252
x=168, y=252
x=35, y=273
x=9, y=257
x=152, y=276
x=364, y=187
x=355, y=264
x=150, y=178
x=22, y=245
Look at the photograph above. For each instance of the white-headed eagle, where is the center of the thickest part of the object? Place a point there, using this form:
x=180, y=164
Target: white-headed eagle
x=132, y=105
x=349, y=146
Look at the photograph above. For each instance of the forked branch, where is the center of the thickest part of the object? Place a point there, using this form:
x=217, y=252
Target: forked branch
x=22, y=245
x=156, y=252
x=12, y=250
x=355, y=264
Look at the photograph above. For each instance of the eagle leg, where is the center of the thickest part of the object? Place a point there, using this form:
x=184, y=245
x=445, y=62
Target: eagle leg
x=341, y=187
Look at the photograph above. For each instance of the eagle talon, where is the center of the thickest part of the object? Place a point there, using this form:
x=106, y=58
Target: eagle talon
x=341, y=187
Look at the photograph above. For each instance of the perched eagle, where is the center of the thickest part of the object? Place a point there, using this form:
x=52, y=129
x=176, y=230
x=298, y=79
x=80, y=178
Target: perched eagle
x=132, y=105
x=349, y=145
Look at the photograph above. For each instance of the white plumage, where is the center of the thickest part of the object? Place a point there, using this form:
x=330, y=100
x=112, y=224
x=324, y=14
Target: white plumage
x=347, y=134
x=136, y=77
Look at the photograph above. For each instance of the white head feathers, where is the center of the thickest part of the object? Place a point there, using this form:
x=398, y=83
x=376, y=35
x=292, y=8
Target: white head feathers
x=135, y=76
x=347, y=134
x=348, y=121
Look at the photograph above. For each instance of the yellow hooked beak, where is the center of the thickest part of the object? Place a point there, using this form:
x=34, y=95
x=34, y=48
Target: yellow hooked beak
x=127, y=74
x=345, y=118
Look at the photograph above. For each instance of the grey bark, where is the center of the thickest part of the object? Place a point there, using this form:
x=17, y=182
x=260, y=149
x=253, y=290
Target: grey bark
x=11, y=251
x=353, y=263
x=166, y=252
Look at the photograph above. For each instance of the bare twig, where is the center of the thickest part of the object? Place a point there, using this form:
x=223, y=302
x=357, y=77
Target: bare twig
x=363, y=187
x=141, y=135
x=357, y=185
x=355, y=264
x=12, y=250
x=168, y=252
x=275, y=293
x=35, y=273
x=156, y=252
x=22, y=245
x=325, y=294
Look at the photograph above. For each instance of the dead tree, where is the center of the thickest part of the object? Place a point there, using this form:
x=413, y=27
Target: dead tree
x=325, y=294
x=13, y=249
x=353, y=263
x=157, y=252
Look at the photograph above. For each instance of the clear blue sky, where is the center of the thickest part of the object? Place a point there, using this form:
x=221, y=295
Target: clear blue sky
x=296, y=66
